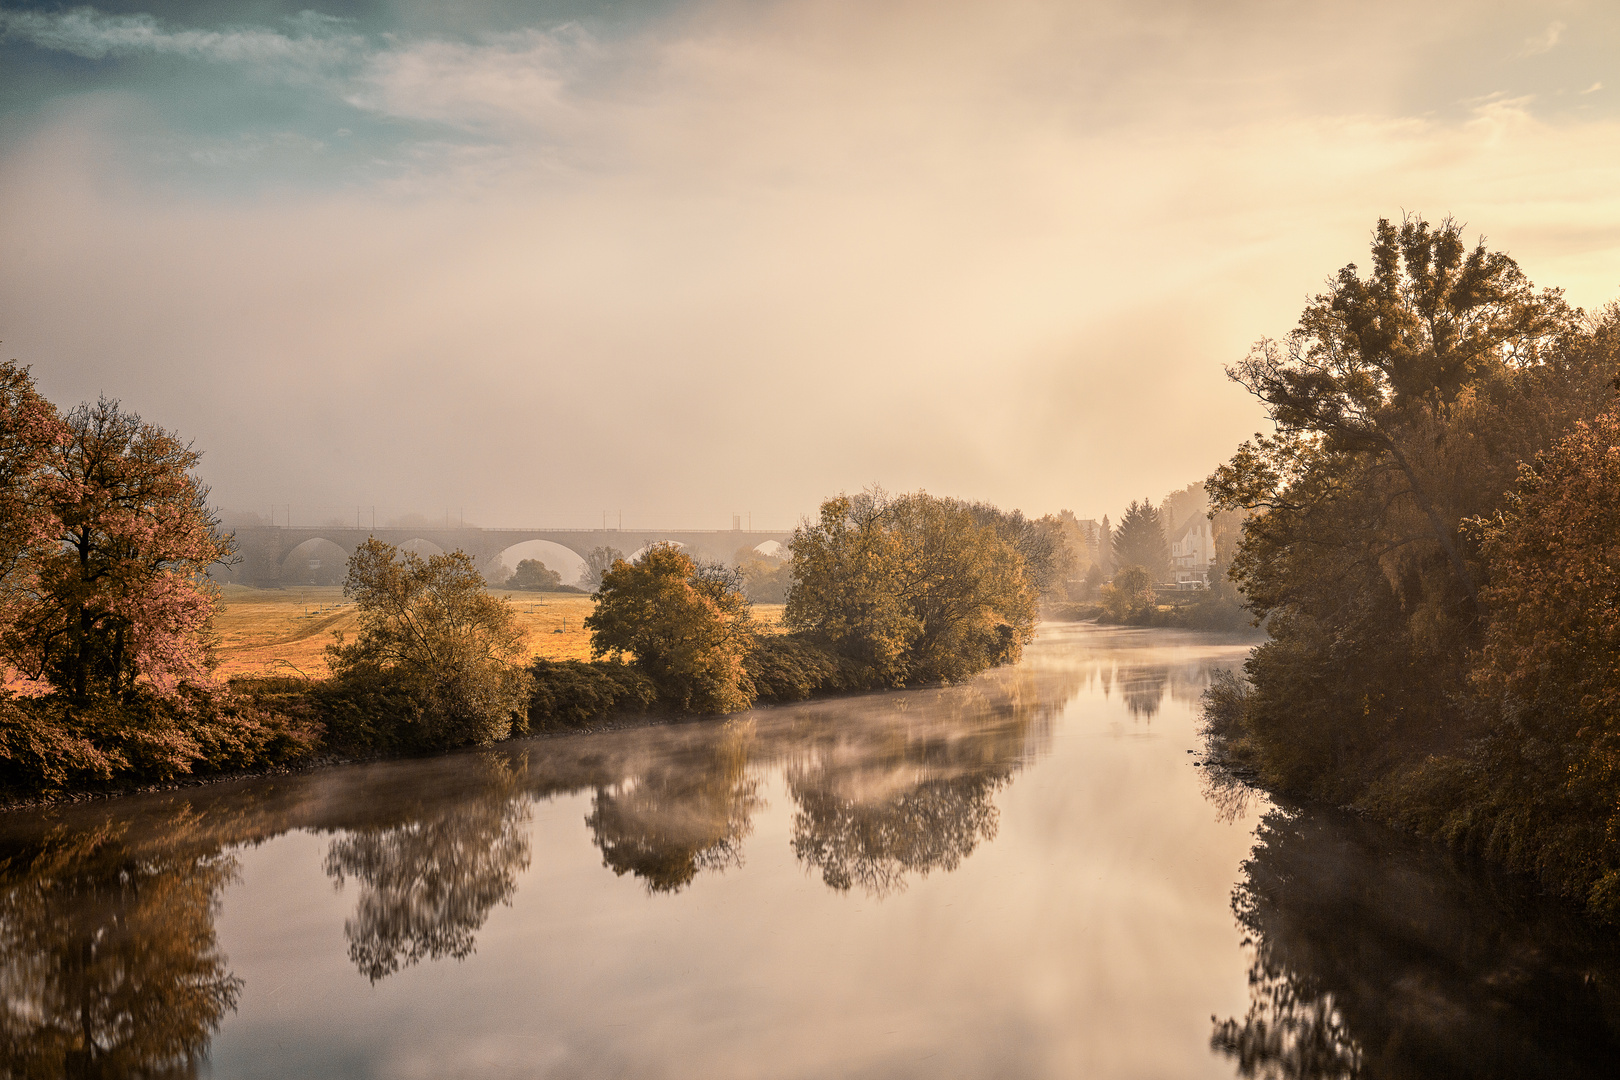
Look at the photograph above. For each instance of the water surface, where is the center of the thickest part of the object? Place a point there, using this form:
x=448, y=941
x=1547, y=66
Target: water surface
x=1025, y=876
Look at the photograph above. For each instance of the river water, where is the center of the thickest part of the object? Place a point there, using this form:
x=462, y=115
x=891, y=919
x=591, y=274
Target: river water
x=1026, y=876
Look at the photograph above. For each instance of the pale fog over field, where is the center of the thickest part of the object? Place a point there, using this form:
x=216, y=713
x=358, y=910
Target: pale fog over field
x=528, y=262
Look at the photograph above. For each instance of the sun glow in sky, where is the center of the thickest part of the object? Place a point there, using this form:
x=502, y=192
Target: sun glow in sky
x=690, y=259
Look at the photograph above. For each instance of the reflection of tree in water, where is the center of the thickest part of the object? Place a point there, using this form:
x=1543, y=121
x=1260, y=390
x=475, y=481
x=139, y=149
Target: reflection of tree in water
x=686, y=814
x=1375, y=956
x=428, y=884
x=934, y=825
x=1143, y=689
x=109, y=966
x=888, y=800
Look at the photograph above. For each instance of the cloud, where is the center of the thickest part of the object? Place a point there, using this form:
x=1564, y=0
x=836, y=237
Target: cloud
x=1545, y=41
x=319, y=41
x=751, y=255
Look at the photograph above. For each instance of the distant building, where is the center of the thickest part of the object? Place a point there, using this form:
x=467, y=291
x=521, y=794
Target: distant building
x=1192, y=553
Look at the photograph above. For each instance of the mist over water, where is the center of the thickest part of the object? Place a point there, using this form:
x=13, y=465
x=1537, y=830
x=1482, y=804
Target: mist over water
x=1026, y=874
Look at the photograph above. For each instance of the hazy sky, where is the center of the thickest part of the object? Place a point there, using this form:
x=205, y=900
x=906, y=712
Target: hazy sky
x=685, y=259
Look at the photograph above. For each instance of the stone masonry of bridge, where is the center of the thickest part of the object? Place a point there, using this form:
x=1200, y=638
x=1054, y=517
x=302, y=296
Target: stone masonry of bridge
x=263, y=549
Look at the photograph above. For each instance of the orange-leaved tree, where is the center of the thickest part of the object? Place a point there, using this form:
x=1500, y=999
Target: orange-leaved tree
x=687, y=626
x=118, y=594
x=1551, y=663
x=30, y=430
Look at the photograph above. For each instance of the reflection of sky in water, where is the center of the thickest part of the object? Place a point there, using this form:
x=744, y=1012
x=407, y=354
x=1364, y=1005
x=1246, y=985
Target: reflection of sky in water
x=984, y=880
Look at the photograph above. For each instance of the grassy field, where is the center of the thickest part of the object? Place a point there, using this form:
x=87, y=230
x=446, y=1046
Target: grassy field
x=270, y=630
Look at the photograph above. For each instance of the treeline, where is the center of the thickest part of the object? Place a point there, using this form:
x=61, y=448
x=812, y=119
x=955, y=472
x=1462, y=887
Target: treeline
x=106, y=639
x=1432, y=542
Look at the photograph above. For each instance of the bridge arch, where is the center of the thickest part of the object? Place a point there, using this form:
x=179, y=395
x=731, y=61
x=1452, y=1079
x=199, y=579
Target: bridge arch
x=642, y=550
x=317, y=561
x=563, y=560
x=421, y=548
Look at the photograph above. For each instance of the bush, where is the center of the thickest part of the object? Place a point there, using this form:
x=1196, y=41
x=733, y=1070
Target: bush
x=573, y=693
x=1226, y=700
x=47, y=744
x=795, y=667
x=686, y=626
x=435, y=663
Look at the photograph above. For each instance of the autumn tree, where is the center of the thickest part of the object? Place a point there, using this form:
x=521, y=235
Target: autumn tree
x=1129, y=596
x=532, y=575
x=119, y=595
x=430, y=628
x=30, y=431
x=598, y=561
x=913, y=587
x=1401, y=405
x=1551, y=666
x=1140, y=541
x=686, y=626
x=765, y=577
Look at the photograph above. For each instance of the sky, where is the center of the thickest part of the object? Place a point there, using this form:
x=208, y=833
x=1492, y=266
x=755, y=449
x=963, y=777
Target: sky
x=534, y=263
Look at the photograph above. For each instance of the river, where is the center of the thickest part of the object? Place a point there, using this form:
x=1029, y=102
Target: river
x=1031, y=875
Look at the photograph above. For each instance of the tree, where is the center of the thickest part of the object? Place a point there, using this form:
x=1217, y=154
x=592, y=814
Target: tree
x=122, y=596
x=765, y=577
x=1551, y=663
x=1400, y=405
x=430, y=627
x=597, y=562
x=1139, y=541
x=915, y=588
x=687, y=627
x=30, y=432
x=532, y=575
x=1129, y=595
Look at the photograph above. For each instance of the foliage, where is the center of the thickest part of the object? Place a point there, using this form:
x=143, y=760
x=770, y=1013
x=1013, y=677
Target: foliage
x=49, y=745
x=1401, y=404
x=686, y=626
x=1139, y=541
x=30, y=433
x=1130, y=596
x=1551, y=667
x=765, y=578
x=532, y=575
x=793, y=667
x=430, y=630
x=913, y=588
x=598, y=561
x=573, y=693
x=122, y=596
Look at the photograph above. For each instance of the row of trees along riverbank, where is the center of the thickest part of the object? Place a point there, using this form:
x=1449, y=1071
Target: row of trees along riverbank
x=1433, y=541
x=105, y=612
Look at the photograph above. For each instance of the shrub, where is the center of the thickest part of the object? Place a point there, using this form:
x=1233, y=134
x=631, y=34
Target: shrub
x=573, y=693
x=794, y=667
x=435, y=665
x=687, y=627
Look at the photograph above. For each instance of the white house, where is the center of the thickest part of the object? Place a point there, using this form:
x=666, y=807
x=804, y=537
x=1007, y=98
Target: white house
x=1192, y=553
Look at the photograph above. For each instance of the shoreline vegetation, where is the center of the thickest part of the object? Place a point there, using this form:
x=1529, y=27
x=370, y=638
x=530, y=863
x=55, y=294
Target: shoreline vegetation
x=107, y=622
x=1428, y=533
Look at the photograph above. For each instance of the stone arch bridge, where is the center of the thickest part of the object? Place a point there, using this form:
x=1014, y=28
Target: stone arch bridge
x=264, y=550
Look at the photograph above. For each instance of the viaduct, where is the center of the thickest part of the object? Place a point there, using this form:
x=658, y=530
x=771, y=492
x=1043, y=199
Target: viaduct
x=279, y=554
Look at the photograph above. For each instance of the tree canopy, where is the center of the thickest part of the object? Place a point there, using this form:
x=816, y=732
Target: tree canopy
x=1426, y=540
x=433, y=627
x=914, y=587
x=118, y=593
x=1139, y=540
x=687, y=627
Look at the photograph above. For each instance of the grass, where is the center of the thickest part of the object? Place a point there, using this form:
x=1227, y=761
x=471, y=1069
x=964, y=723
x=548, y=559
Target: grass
x=271, y=630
